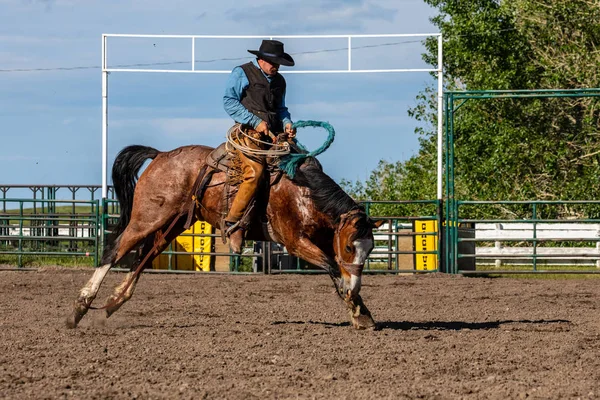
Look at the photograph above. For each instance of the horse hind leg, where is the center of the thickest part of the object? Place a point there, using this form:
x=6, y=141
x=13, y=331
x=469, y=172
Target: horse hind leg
x=122, y=293
x=86, y=295
x=113, y=253
x=125, y=289
x=150, y=249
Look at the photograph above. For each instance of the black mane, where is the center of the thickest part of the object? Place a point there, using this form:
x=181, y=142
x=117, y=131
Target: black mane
x=327, y=195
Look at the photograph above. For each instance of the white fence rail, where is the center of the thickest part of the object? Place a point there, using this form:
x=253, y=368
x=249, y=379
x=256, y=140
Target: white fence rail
x=59, y=232
x=506, y=236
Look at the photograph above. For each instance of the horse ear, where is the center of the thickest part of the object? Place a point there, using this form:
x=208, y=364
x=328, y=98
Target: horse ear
x=377, y=223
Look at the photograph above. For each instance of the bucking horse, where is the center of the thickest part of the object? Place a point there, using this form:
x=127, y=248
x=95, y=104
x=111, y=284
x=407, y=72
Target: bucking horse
x=309, y=214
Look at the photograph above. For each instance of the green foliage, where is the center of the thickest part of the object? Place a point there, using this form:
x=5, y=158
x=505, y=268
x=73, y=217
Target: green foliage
x=394, y=181
x=510, y=149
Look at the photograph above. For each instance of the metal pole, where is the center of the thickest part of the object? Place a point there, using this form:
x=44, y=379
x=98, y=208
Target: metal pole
x=265, y=256
x=104, y=121
x=20, y=257
x=96, y=204
x=535, y=243
x=446, y=223
x=349, y=53
x=193, y=54
x=452, y=218
x=440, y=116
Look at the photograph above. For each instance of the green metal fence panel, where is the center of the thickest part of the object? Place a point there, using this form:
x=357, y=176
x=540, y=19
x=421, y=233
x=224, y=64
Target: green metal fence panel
x=49, y=192
x=252, y=259
x=50, y=230
x=534, y=243
x=453, y=101
x=46, y=226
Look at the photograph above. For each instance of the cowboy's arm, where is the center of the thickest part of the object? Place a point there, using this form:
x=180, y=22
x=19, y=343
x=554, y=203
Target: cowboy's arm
x=286, y=118
x=236, y=84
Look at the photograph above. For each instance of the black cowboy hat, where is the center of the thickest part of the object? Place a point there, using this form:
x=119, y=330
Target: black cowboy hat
x=272, y=51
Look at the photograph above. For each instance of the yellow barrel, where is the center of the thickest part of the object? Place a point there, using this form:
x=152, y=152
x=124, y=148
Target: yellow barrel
x=189, y=241
x=426, y=262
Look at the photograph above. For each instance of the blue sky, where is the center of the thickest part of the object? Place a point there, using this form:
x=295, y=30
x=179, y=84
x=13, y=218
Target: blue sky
x=51, y=120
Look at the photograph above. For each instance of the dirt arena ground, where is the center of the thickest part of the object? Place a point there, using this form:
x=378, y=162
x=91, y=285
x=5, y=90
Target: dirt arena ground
x=288, y=337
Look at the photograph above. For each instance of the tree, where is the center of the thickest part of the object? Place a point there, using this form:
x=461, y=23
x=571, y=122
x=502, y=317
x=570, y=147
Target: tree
x=514, y=149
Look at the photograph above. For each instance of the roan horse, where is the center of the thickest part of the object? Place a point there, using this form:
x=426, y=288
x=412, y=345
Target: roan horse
x=309, y=214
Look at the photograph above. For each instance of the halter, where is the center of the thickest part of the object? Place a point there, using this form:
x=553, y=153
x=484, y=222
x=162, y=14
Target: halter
x=351, y=268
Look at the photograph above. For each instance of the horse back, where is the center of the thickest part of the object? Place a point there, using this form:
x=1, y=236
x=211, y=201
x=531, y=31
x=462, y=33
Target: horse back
x=168, y=180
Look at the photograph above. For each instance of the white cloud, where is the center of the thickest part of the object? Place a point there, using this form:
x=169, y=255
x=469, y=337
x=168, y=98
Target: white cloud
x=193, y=127
x=312, y=15
x=10, y=59
x=178, y=128
x=143, y=113
x=355, y=110
x=336, y=109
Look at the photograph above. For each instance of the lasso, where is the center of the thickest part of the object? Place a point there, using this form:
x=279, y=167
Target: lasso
x=278, y=150
x=288, y=161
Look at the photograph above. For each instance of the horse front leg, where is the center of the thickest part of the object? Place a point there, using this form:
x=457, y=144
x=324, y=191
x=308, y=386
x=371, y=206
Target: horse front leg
x=348, y=289
x=360, y=316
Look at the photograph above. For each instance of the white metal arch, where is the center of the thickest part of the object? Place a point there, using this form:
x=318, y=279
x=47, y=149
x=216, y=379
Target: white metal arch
x=106, y=70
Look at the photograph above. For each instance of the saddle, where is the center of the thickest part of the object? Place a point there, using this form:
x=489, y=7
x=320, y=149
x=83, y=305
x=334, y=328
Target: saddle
x=225, y=159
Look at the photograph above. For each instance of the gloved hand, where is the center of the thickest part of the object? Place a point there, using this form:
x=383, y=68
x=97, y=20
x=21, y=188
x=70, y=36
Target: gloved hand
x=262, y=128
x=291, y=131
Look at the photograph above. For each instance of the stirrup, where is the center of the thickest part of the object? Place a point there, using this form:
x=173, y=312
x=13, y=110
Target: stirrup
x=231, y=228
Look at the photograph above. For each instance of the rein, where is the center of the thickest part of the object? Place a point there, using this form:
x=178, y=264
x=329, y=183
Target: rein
x=351, y=268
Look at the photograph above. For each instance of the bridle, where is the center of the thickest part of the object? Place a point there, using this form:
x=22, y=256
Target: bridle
x=351, y=268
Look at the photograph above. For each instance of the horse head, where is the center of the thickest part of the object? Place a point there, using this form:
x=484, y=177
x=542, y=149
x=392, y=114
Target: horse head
x=353, y=242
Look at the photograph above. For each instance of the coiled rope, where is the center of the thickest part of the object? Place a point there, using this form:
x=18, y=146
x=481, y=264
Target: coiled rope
x=288, y=162
x=277, y=150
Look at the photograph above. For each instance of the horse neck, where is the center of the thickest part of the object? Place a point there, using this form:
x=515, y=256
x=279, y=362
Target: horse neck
x=306, y=206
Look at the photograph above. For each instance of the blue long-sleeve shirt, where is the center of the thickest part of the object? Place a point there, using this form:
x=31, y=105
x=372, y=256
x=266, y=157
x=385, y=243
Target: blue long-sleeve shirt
x=236, y=84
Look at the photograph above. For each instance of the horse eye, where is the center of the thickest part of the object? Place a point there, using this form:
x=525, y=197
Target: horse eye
x=348, y=248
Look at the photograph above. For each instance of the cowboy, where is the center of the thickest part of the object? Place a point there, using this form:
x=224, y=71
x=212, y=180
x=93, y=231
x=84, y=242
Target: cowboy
x=255, y=98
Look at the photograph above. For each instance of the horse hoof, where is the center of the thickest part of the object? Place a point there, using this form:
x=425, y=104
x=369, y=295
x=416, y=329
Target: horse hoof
x=80, y=308
x=363, y=322
x=73, y=320
x=70, y=323
x=110, y=311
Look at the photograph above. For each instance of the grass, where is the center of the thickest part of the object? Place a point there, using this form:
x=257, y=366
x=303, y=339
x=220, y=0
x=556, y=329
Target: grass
x=44, y=261
x=246, y=266
x=578, y=272
x=87, y=209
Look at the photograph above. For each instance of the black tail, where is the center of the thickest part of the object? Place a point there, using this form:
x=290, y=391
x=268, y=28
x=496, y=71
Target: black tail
x=125, y=171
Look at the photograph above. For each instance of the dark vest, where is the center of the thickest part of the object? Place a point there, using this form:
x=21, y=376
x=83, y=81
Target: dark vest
x=262, y=98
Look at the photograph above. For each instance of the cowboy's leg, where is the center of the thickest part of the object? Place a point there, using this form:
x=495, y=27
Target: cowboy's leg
x=252, y=170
